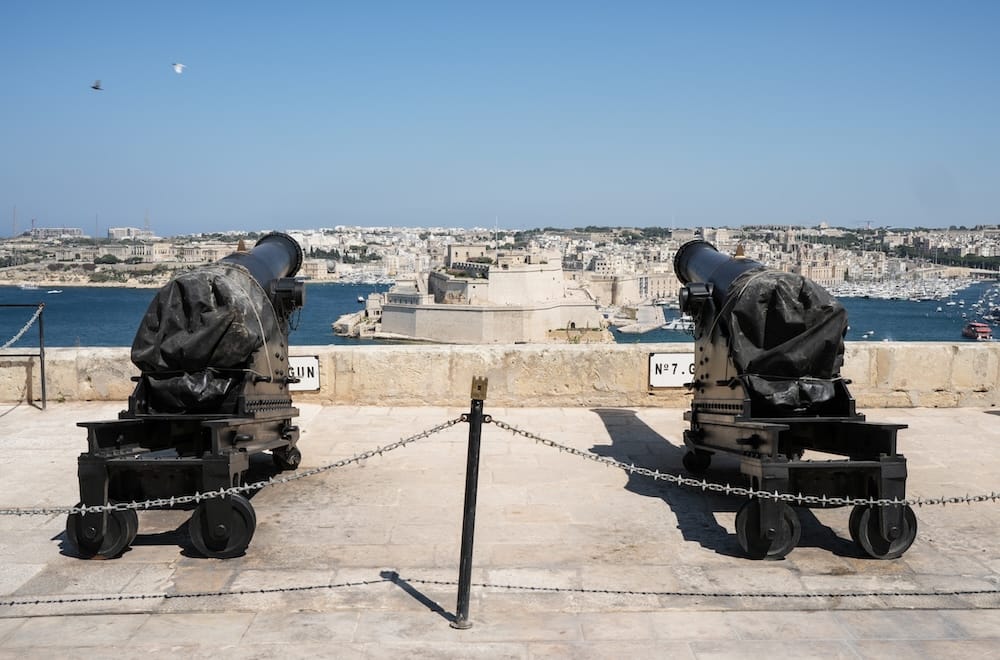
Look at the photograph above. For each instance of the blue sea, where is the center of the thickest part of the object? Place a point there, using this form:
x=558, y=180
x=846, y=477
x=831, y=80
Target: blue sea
x=108, y=316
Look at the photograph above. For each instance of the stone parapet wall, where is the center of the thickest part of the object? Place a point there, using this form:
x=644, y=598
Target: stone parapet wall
x=898, y=374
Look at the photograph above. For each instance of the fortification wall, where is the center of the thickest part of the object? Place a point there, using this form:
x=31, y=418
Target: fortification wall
x=901, y=374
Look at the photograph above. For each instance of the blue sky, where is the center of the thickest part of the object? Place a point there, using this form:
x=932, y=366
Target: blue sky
x=297, y=115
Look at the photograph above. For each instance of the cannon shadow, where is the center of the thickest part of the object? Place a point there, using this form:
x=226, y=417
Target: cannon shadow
x=634, y=442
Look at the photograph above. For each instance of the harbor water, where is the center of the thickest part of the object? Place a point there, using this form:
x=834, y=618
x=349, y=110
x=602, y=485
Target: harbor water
x=109, y=316
x=875, y=319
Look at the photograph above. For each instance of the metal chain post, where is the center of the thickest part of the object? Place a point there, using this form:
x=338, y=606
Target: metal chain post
x=475, y=419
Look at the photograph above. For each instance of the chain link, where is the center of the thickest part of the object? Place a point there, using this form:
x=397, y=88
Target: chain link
x=630, y=468
x=63, y=600
x=24, y=328
x=702, y=484
x=235, y=490
x=717, y=594
x=395, y=578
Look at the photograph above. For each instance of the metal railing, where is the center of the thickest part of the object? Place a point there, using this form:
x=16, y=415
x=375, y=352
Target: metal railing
x=38, y=316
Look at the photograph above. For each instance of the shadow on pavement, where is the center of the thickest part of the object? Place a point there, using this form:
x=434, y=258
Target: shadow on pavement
x=634, y=442
x=417, y=595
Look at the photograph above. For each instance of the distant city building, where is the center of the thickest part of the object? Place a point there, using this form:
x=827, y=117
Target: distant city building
x=55, y=232
x=134, y=233
x=314, y=269
x=463, y=253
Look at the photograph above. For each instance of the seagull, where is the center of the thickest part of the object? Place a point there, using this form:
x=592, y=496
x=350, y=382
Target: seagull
x=178, y=67
x=97, y=86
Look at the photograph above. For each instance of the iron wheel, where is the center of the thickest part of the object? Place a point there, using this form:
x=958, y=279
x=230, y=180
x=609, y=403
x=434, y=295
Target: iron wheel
x=697, y=462
x=121, y=530
x=286, y=458
x=752, y=538
x=870, y=534
x=237, y=533
x=854, y=522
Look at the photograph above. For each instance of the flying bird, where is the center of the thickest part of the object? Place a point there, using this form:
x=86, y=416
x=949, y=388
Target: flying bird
x=178, y=67
x=97, y=85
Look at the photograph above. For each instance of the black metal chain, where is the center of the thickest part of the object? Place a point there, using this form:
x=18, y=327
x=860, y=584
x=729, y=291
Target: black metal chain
x=378, y=451
x=235, y=490
x=62, y=600
x=726, y=489
x=716, y=594
x=393, y=577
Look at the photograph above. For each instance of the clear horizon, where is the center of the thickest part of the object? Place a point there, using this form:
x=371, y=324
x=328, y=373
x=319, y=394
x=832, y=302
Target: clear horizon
x=523, y=115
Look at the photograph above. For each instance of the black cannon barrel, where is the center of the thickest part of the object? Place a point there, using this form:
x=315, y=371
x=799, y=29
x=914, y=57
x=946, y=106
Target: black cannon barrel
x=276, y=255
x=699, y=261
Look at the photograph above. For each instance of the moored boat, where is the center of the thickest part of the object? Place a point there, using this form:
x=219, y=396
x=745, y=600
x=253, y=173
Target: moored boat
x=685, y=324
x=978, y=331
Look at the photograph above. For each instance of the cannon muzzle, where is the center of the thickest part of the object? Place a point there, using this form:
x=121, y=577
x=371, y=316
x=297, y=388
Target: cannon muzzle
x=699, y=262
x=276, y=255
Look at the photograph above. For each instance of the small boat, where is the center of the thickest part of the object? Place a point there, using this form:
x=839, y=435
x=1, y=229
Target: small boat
x=29, y=287
x=683, y=324
x=361, y=299
x=55, y=291
x=978, y=331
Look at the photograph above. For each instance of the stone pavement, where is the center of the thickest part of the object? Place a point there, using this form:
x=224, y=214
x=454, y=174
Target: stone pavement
x=572, y=559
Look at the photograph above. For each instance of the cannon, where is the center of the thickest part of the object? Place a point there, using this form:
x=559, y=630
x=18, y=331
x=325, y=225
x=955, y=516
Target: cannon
x=213, y=391
x=767, y=389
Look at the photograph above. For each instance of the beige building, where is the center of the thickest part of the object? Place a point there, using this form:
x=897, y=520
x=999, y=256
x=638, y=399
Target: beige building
x=314, y=269
x=458, y=253
x=508, y=303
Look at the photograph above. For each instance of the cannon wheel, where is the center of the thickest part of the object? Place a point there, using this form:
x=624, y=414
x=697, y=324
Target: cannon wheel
x=866, y=532
x=122, y=528
x=286, y=458
x=751, y=536
x=854, y=521
x=242, y=522
x=696, y=461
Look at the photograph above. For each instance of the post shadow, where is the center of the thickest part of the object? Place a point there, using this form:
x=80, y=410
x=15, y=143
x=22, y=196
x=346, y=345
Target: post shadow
x=634, y=442
x=417, y=595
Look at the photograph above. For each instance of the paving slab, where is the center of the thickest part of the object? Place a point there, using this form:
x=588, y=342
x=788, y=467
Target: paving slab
x=573, y=558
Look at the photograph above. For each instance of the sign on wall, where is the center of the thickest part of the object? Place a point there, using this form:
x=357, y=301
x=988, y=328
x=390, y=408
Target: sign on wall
x=670, y=369
x=306, y=369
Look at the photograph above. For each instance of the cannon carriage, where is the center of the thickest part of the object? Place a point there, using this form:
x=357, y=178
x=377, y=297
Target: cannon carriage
x=767, y=390
x=213, y=391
